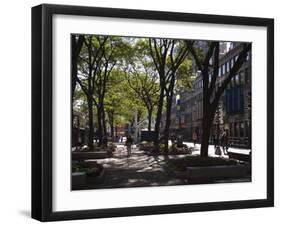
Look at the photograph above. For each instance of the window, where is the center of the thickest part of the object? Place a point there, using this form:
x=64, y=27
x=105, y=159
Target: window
x=242, y=129
x=232, y=82
x=237, y=80
x=227, y=66
x=242, y=77
x=231, y=62
x=248, y=56
x=223, y=69
x=219, y=71
x=236, y=129
x=236, y=57
x=247, y=76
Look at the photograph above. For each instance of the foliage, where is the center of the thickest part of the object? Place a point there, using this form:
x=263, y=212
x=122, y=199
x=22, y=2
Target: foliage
x=120, y=81
x=91, y=168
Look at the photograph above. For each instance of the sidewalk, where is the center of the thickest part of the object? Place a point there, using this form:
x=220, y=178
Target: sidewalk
x=212, y=149
x=136, y=170
x=141, y=170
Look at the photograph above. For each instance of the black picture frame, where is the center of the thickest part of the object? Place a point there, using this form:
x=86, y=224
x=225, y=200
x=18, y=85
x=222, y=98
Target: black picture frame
x=42, y=111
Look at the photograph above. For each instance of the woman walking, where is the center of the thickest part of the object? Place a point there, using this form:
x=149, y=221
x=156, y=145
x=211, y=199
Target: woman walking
x=129, y=142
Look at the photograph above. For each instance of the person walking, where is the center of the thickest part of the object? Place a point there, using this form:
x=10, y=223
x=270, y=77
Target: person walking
x=216, y=144
x=215, y=141
x=224, y=142
x=173, y=138
x=129, y=142
x=194, y=138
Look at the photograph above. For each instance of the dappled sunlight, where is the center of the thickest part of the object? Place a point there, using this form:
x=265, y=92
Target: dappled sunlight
x=140, y=103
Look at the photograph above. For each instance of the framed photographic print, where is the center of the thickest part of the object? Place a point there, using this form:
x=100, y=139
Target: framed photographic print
x=146, y=112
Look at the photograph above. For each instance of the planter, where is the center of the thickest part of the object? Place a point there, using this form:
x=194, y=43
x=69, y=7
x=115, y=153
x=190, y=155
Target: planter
x=174, y=173
x=169, y=153
x=96, y=179
x=211, y=173
x=90, y=155
x=78, y=180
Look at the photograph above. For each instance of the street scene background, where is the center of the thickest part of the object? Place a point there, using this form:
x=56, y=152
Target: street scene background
x=156, y=111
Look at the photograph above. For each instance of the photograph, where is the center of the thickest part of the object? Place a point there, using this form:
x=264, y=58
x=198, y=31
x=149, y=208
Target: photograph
x=156, y=111
x=160, y=112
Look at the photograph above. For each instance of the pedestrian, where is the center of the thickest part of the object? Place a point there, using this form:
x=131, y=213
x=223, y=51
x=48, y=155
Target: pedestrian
x=215, y=141
x=129, y=142
x=224, y=141
x=194, y=138
x=173, y=138
x=104, y=141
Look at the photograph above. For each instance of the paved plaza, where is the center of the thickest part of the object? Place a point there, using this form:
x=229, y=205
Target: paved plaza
x=140, y=169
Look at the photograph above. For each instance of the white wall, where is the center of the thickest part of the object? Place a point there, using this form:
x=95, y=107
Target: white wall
x=15, y=119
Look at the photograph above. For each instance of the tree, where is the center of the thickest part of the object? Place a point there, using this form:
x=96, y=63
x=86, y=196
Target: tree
x=89, y=64
x=212, y=92
x=100, y=82
x=142, y=78
x=133, y=110
x=167, y=55
x=147, y=91
x=113, y=50
x=76, y=46
x=114, y=100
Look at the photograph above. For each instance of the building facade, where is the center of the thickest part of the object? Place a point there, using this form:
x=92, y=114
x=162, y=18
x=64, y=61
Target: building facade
x=234, y=110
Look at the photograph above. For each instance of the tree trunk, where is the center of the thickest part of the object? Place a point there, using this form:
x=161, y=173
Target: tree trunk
x=73, y=75
x=100, y=129
x=103, y=120
x=158, y=117
x=205, y=138
x=169, y=97
x=111, y=122
x=168, y=122
x=91, y=124
x=149, y=111
x=208, y=118
x=75, y=50
x=112, y=129
x=116, y=130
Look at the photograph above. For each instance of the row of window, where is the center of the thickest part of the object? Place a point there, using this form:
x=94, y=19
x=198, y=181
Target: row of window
x=239, y=129
x=198, y=85
x=225, y=68
x=243, y=77
x=197, y=112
